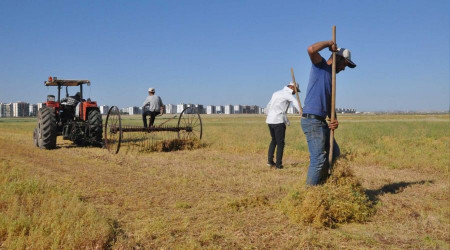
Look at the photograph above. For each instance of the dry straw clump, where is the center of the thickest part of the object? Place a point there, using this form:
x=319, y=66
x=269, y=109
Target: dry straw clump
x=254, y=201
x=340, y=200
x=176, y=144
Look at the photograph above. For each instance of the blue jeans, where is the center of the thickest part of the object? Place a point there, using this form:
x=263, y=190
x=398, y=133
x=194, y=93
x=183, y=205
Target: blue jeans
x=318, y=137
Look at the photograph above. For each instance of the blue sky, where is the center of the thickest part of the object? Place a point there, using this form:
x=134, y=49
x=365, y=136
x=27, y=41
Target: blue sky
x=225, y=52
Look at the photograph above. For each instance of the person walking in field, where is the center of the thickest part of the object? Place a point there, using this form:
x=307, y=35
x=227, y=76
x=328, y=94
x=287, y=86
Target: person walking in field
x=318, y=106
x=152, y=107
x=277, y=121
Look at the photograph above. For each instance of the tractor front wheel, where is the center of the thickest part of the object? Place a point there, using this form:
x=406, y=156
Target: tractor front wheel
x=47, y=128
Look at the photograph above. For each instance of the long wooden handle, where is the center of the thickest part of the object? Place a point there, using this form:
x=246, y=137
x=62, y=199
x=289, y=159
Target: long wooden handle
x=296, y=92
x=333, y=99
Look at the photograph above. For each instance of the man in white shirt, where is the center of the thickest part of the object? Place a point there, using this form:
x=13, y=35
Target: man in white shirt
x=152, y=106
x=277, y=121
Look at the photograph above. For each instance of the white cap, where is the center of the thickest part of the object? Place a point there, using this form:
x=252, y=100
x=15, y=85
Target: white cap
x=347, y=54
x=151, y=90
x=292, y=84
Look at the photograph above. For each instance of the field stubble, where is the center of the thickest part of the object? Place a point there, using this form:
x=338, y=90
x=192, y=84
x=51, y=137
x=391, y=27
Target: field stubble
x=223, y=195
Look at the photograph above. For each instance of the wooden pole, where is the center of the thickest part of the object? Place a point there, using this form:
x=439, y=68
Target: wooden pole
x=296, y=92
x=333, y=100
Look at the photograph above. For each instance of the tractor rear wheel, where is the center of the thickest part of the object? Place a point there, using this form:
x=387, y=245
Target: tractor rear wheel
x=95, y=125
x=47, y=128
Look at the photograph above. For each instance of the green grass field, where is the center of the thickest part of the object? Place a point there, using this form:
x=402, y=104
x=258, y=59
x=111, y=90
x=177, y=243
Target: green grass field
x=223, y=195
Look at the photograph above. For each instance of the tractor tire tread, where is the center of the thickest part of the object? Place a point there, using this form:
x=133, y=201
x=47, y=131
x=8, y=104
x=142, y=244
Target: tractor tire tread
x=48, y=127
x=95, y=125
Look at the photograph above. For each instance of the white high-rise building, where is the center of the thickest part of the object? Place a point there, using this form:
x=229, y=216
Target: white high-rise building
x=104, y=109
x=171, y=109
x=210, y=109
x=40, y=105
x=181, y=107
x=20, y=109
x=220, y=109
x=228, y=109
x=33, y=109
x=237, y=109
x=261, y=110
x=133, y=110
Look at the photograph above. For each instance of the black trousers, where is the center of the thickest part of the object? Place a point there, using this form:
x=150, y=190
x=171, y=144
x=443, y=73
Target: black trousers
x=277, y=131
x=152, y=115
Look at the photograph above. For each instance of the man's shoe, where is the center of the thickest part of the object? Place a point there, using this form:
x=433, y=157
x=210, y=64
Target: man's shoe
x=280, y=167
x=271, y=164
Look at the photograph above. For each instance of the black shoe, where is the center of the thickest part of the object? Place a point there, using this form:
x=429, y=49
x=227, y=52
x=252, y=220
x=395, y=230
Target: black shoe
x=280, y=167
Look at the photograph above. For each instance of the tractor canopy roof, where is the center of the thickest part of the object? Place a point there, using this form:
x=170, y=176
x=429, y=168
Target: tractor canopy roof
x=54, y=81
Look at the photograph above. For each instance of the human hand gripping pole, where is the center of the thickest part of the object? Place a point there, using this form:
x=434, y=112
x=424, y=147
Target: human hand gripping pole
x=296, y=92
x=333, y=102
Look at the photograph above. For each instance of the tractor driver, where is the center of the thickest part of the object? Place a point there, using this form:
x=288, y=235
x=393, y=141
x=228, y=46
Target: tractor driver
x=152, y=106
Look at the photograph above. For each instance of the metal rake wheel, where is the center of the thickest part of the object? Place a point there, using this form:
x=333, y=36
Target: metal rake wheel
x=190, y=124
x=113, y=130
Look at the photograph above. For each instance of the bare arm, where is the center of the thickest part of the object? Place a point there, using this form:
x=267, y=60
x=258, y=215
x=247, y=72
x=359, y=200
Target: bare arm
x=314, y=49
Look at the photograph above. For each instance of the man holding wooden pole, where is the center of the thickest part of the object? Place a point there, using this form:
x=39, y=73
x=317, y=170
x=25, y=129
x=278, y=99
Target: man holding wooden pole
x=319, y=104
x=277, y=120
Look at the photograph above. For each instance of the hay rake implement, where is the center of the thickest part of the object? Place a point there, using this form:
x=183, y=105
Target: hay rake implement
x=141, y=139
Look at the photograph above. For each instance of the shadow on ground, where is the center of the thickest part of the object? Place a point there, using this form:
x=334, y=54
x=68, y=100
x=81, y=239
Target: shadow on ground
x=393, y=188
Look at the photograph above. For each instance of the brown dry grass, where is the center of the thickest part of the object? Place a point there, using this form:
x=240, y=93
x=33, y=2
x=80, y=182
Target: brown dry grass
x=223, y=195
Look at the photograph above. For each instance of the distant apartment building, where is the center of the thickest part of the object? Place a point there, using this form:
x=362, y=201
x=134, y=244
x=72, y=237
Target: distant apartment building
x=133, y=110
x=228, y=109
x=245, y=109
x=200, y=108
x=220, y=109
x=104, y=109
x=181, y=107
x=261, y=110
x=40, y=105
x=345, y=111
x=33, y=109
x=237, y=109
x=210, y=109
x=171, y=109
x=20, y=109
x=250, y=109
x=5, y=110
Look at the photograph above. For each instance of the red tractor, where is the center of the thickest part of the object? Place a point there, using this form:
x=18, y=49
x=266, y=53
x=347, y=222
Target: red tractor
x=72, y=117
